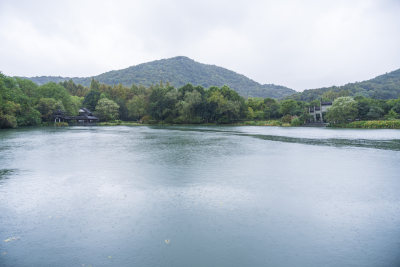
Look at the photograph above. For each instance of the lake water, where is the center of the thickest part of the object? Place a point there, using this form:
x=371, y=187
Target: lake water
x=199, y=196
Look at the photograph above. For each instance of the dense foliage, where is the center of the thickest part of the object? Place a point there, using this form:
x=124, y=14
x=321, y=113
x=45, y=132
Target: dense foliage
x=388, y=124
x=179, y=71
x=343, y=109
x=24, y=103
x=385, y=86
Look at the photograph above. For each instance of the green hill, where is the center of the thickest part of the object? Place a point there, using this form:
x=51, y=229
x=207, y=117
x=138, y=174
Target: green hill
x=386, y=86
x=179, y=71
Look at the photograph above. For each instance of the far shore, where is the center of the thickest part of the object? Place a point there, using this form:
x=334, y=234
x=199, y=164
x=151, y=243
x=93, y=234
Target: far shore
x=378, y=124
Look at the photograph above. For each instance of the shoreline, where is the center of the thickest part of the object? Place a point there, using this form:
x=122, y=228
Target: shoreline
x=380, y=124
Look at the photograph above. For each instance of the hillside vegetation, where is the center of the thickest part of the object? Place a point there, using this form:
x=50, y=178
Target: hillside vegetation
x=386, y=86
x=179, y=71
x=24, y=103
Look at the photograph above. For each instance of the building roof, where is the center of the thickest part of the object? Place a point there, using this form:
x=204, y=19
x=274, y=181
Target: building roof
x=86, y=111
x=84, y=114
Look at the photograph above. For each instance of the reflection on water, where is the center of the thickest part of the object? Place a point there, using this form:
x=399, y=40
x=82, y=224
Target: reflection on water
x=199, y=196
x=5, y=173
x=356, y=140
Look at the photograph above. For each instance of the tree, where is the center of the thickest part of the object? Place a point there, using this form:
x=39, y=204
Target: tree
x=288, y=107
x=76, y=103
x=47, y=107
x=343, y=109
x=91, y=99
x=329, y=95
x=58, y=92
x=188, y=106
x=107, y=110
x=271, y=109
x=257, y=107
x=250, y=114
x=94, y=85
x=363, y=107
x=28, y=87
x=224, y=110
x=137, y=107
x=162, y=101
x=28, y=116
x=375, y=112
x=8, y=114
x=75, y=89
x=16, y=102
x=392, y=115
x=396, y=106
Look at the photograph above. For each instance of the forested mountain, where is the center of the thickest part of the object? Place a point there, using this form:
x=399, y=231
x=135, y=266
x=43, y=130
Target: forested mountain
x=24, y=103
x=179, y=71
x=386, y=86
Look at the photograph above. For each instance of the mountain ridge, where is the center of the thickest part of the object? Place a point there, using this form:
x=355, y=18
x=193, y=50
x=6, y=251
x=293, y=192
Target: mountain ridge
x=384, y=86
x=179, y=71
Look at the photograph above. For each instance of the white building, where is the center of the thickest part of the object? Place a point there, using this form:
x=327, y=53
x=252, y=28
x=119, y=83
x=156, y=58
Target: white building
x=318, y=112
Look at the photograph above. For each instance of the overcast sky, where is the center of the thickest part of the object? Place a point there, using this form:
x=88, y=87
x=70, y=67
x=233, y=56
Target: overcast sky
x=300, y=44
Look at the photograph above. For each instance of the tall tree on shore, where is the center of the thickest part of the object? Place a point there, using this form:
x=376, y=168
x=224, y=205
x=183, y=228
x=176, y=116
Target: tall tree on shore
x=343, y=109
x=107, y=110
x=91, y=99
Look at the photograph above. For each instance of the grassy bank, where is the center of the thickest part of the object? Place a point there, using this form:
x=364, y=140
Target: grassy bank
x=379, y=124
x=243, y=123
x=262, y=123
x=389, y=124
x=116, y=123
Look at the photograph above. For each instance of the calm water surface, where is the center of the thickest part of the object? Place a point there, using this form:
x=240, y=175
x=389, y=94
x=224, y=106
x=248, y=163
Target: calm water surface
x=199, y=196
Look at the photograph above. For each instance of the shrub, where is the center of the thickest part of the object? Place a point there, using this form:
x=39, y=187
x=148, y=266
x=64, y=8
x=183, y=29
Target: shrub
x=61, y=124
x=392, y=115
x=296, y=122
x=146, y=119
x=8, y=121
x=389, y=124
x=286, y=119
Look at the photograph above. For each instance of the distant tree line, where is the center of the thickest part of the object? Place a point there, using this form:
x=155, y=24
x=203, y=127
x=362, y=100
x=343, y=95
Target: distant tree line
x=386, y=86
x=24, y=103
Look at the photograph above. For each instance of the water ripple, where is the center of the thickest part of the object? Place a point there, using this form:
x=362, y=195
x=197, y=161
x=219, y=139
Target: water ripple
x=385, y=144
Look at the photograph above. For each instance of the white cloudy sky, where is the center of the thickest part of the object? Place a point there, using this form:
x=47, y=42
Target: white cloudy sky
x=299, y=44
